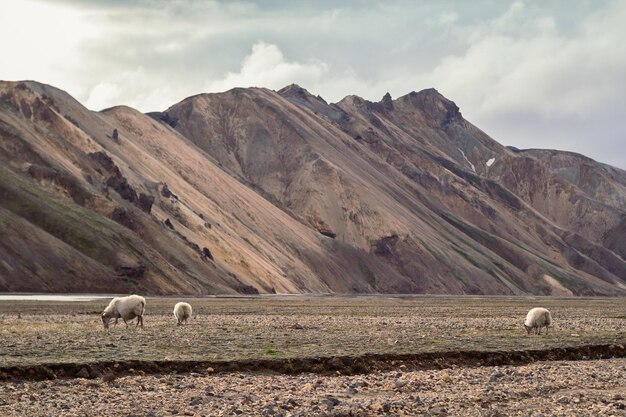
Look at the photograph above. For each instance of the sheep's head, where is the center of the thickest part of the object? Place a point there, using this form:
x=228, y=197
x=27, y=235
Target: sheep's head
x=528, y=329
x=105, y=320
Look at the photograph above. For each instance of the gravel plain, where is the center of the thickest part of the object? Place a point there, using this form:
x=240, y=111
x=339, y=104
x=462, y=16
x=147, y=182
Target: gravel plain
x=559, y=388
x=229, y=330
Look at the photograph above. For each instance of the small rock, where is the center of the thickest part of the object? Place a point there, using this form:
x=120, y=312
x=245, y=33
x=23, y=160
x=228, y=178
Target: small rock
x=438, y=411
x=109, y=377
x=376, y=407
x=83, y=373
x=416, y=399
x=195, y=401
x=358, y=384
x=495, y=375
x=330, y=402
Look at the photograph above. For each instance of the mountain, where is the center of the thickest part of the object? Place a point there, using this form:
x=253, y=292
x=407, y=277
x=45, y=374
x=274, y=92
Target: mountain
x=254, y=190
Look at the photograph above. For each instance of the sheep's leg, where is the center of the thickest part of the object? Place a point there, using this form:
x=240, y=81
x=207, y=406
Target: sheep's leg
x=546, y=330
x=125, y=322
x=140, y=321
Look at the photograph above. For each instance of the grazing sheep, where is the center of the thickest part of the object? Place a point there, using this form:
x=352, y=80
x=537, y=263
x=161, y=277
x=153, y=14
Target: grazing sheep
x=182, y=312
x=126, y=308
x=537, y=318
x=114, y=300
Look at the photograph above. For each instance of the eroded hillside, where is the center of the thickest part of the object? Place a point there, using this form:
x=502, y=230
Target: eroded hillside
x=256, y=190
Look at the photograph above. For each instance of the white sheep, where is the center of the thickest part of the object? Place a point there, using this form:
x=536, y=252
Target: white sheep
x=126, y=308
x=537, y=318
x=182, y=312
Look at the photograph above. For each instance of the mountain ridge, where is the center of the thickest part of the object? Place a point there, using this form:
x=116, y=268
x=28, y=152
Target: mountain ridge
x=400, y=195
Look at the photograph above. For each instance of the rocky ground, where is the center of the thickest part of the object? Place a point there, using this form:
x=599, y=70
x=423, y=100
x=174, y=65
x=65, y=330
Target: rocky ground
x=100, y=378
x=583, y=388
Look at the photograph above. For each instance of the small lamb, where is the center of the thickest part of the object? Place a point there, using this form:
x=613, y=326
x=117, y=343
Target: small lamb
x=126, y=308
x=537, y=318
x=182, y=312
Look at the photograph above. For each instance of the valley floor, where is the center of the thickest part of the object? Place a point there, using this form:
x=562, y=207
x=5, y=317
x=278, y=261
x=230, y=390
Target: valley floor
x=307, y=355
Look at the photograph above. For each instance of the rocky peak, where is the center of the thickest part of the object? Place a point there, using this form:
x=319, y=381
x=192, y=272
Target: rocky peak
x=352, y=101
x=294, y=90
x=434, y=106
x=387, y=102
x=301, y=97
x=366, y=106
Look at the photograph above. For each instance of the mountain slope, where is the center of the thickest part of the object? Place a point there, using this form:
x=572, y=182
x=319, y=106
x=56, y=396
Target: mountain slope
x=401, y=171
x=260, y=191
x=153, y=212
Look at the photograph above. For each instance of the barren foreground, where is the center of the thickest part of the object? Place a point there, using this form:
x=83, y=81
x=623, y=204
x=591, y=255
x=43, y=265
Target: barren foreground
x=589, y=388
x=316, y=356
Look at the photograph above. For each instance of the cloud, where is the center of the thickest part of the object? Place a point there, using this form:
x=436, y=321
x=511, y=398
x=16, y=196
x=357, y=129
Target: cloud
x=448, y=18
x=136, y=88
x=102, y=95
x=532, y=84
x=528, y=73
x=39, y=39
x=539, y=70
x=267, y=67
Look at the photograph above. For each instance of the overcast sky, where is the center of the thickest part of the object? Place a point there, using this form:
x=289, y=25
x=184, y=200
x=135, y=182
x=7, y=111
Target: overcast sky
x=548, y=74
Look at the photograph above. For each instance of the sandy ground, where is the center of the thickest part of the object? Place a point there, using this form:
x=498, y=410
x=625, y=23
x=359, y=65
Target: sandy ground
x=234, y=330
